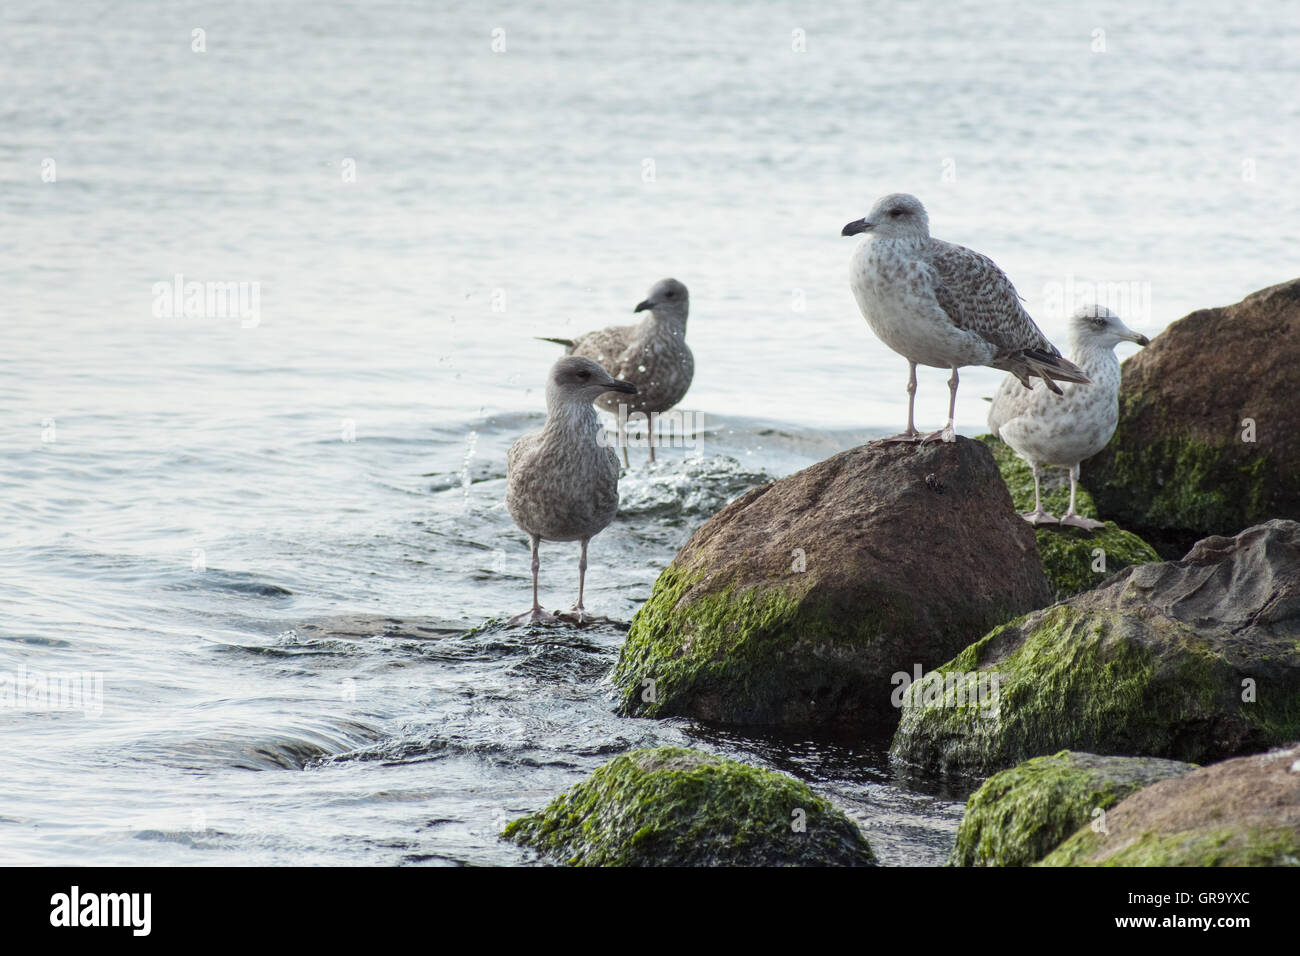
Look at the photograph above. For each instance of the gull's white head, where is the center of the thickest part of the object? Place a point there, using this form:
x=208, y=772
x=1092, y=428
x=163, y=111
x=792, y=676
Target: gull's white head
x=667, y=299
x=1099, y=327
x=896, y=216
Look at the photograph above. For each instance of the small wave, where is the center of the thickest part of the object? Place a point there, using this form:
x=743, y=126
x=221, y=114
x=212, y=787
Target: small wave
x=255, y=749
x=475, y=472
x=236, y=582
x=364, y=627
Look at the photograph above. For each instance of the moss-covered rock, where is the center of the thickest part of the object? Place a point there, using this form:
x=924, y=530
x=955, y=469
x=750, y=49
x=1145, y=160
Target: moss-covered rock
x=1074, y=560
x=798, y=603
x=670, y=806
x=1207, y=424
x=1243, y=812
x=1194, y=660
x=1020, y=815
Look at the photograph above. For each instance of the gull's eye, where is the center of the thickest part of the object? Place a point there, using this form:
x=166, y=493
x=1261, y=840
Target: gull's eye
x=584, y=375
x=895, y=213
x=670, y=295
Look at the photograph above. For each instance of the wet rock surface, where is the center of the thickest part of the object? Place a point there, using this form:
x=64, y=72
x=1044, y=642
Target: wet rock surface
x=1242, y=812
x=1020, y=815
x=1194, y=660
x=670, y=806
x=796, y=604
x=1208, y=419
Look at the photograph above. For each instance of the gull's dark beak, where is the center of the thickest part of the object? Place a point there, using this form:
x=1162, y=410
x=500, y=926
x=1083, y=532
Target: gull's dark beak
x=626, y=387
x=1142, y=340
x=642, y=306
x=855, y=227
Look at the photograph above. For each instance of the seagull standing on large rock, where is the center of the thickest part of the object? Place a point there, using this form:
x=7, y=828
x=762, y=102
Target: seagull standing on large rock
x=1046, y=430
x=562, y=481
x=652, y=355
x=943, y=305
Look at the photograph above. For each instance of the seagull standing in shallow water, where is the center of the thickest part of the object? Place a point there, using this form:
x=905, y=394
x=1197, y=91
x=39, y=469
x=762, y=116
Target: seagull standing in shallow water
x=562, y=481
x=652, y=355
x=1046, y=430
x=942, y=305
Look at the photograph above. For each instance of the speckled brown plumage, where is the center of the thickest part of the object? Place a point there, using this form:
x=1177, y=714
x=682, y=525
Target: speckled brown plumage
x=562, y=481
x=653, y=355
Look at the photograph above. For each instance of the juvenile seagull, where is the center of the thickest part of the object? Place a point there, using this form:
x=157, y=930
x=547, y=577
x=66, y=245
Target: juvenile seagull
x=652, y=355
x=562, y=481
x=942, y=305
x=1046, y=430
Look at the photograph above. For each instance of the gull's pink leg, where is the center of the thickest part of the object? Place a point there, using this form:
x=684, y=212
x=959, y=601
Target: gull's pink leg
x=947, y=433
x=578, y=610
x=1038, y=515
x=910, y=434
x=534, y=614
x=578, y=614
x=1077, y=520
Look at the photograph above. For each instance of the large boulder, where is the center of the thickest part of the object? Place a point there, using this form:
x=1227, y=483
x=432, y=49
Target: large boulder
x=669, y=806
x=1243, y=812
x=799, y=603
x=1020, y=815
x=1178, y=468
x=1074, y=560
x=1194, y=660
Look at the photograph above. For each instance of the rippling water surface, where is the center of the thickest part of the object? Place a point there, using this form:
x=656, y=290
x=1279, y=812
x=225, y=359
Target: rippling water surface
x=279, y=544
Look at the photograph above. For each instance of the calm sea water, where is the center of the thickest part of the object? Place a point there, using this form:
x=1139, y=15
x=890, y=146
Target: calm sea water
x=271, y=540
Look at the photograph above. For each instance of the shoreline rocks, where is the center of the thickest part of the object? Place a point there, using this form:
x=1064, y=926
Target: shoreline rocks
x=1195, y=660
x=1242, y=812
x=1208, y=419
x=797, y=604
x=670, y=806
x=1020, y=815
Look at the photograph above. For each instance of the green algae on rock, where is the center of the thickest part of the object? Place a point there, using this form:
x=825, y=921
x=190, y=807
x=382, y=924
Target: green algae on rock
x=1074, y=560
x=670, y=806
x=1194, y=660
x=1020, y=815
x=1206, y=437
x=1242, y=812
x=798, y=604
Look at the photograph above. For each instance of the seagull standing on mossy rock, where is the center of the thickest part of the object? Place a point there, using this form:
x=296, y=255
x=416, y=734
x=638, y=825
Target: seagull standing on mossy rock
x=1064, y=430
x=562, y=481
x=943, y=305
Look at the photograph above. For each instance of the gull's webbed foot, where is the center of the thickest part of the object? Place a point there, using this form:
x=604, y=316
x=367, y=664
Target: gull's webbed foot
x=533, y=616
x=580, y=616
x=945, y=434
x=1079, y=521
x=911, y=436
x=1040, y=517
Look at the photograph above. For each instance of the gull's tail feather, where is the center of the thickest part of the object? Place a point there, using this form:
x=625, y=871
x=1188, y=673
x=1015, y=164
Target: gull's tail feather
x=1051, y=368
x=568, y=344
